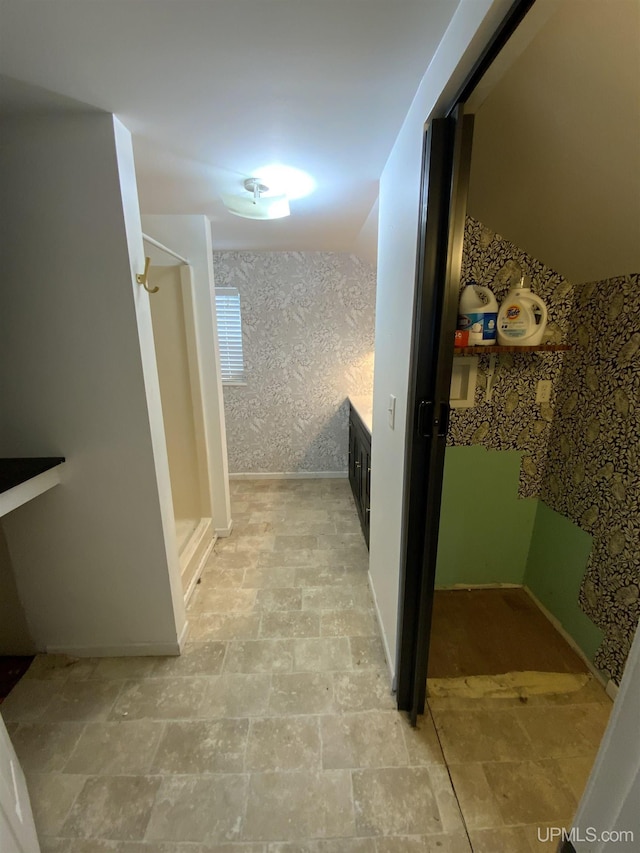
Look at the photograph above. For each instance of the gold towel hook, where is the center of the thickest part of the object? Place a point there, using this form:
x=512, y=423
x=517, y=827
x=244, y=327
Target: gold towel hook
x=142, y=278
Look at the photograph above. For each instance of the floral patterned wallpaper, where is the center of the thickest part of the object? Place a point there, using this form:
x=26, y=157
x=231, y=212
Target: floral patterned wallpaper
x=512, y=420
x=308, y=331
x=593, y=465
x=582, y=449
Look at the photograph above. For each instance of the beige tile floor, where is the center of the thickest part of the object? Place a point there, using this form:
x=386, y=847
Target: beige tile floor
x=517, y=767
x=275, y=731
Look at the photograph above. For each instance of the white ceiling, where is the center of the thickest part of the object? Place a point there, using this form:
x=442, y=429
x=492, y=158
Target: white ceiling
x=214, y=89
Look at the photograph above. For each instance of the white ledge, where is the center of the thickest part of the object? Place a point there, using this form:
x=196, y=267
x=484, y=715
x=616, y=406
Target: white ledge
x=24, y=492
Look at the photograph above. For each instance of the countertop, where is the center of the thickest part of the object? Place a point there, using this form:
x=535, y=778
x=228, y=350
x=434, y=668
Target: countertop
x=364, y=407
x=24, y=478
x=14, y=471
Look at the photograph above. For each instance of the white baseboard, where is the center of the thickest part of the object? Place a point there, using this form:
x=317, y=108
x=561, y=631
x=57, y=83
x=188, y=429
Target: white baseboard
x=558, y=626
x=223, y=532
x=194, y=556
x=129, y=650
x=291, y=475
x=385, y=644
x=199, y=570
x=203, y=530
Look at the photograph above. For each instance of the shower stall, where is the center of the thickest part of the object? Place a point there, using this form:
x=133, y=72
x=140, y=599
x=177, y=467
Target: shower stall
x=175, y=340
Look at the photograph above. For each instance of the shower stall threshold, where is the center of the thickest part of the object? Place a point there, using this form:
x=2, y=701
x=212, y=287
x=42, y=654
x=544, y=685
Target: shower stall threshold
x=194, y=556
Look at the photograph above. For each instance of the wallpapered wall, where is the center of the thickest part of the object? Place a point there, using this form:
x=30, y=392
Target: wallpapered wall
x=512, y=420
x=593, y=465
x=582, y=450
x=308, y=330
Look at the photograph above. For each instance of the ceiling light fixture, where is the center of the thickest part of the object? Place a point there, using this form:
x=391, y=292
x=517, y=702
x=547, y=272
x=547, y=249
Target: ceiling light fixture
x=258, y=204
x=294, y=183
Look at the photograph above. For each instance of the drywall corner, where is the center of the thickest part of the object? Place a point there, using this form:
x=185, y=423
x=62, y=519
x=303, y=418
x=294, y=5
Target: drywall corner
x=556, y=565
x=78, y=376
x=366, y=245
x=471, y=27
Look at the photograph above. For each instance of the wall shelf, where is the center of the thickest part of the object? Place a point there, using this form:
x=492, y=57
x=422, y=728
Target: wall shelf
x=496, y=349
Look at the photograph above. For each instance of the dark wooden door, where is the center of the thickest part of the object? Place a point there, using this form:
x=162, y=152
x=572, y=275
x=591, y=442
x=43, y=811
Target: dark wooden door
x=446, y=161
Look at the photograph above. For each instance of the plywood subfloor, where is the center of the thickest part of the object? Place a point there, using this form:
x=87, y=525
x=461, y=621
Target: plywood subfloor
x=494, y=631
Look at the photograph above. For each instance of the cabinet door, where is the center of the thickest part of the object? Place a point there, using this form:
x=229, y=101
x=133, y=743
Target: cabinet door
x=364, y=464
x=353, y=460
x=366, y=498
x=360, y=472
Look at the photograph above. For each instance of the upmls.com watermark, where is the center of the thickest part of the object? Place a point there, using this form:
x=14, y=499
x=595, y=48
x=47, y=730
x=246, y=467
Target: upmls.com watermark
x=589, y=834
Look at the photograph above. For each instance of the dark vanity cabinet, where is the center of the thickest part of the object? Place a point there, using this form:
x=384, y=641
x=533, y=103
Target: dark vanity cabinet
x=360, y=468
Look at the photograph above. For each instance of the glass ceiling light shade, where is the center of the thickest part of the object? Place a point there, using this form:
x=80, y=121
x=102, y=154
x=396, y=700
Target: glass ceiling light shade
x=257, y=205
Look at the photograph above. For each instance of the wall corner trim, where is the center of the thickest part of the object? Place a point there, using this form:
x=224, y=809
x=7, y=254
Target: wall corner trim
x=561, y=630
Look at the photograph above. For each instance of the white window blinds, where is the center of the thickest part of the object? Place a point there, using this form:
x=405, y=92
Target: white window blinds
x=230, y=335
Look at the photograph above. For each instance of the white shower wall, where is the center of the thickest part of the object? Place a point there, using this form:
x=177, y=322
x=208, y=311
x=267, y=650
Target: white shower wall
x=172, y=354
x=190, y=236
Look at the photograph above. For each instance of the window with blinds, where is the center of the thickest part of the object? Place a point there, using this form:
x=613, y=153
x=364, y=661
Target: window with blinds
x=230, y=335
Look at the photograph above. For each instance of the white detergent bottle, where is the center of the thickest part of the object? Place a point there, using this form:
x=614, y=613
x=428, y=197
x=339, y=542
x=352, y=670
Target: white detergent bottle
x=478, y=314
x=522, y=318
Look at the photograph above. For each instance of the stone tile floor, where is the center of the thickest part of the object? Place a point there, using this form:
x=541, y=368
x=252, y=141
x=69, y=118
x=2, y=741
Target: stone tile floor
x=275, y=731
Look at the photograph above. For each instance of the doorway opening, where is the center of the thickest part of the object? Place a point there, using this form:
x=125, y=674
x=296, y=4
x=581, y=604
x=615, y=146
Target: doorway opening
x=527, y=571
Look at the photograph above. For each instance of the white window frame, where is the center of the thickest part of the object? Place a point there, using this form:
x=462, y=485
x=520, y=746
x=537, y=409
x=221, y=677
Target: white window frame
x=229, y=323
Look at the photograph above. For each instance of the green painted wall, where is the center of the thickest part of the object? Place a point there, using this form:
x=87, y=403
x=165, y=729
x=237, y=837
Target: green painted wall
x=489, y=536
x=485, y=529
x=555, y=568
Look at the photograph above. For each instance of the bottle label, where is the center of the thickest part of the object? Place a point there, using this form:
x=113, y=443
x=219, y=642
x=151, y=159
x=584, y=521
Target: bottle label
x=481, y=326
x=514, y=324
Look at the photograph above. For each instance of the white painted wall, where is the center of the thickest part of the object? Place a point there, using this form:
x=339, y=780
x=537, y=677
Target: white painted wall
x=612, y=797
x=94, y=559
x=190, y=236
x=470, y=29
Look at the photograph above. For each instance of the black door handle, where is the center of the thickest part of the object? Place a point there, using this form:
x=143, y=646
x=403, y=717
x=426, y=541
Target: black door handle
x=430, y=423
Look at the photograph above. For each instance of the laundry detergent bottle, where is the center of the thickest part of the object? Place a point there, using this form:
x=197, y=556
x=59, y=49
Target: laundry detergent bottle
x=522, y=318
x=478, y=314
